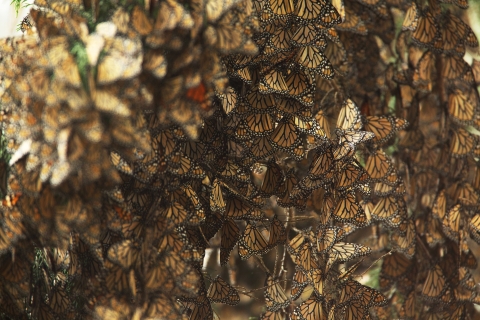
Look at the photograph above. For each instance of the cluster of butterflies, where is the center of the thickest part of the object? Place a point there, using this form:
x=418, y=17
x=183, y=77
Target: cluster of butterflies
x=147, y=137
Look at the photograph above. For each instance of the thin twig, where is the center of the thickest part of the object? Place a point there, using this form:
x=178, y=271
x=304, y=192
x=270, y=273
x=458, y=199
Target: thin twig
x=261, y=264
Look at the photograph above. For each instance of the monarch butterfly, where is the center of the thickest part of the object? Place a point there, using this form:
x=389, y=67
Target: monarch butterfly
x=404, y=241
x=269, y=315
x=221, y=291
x=118, y=280
x=474, y=227
x=278, y=233
x=350, y=175
x=171, y=237
x=125, y=254
x=395, y=267
x=230, y=234
x=300, y=83
x=386, y=209
x=310, y=309
x=339, y=5
x=280, y=7
x=337, y=55
x=466, y=195
x=259, y=123
x=238, y=208
x=348, y=210
x=252, y=242
x=349, y=117
x=342, y=252
x=199, y=95
x=322, y=163
x=435, y=285
x=26, y=24
x=232, y=171
x=317, y=277
x=163, y=306
x=462, y=142
x=287, y=186
x=305, y=35
x=462, y=104
x=227, y=38
x=354, y=310
x=354, y=291
x=378, y=165
x=383, y=127
x=286, y=134
x=451, y=225
x=300, y=281
x=463, y=31
x=327, y=237
x=59, y=301
x=228, y=99
x=427, y=31
x=273, y=82
x=217, y=202
x=312, y=59
x=433, y=234
x=131, y=65
x=392, y=185
x=181, y=165
x=352, y=23
x=120, y=163
x=295, y=243
x=200, y=308
x=348, y=141
x=275, y=296
x=305, y=187
x=455, y=68
x=423, y=76
x=412, y=16
x=272, y=180
x=281, y=38
x=289, y=106
x=260, y=148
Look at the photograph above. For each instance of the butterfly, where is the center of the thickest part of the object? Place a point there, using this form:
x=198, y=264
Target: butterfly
x=312, y=308
x=462, y=105
x=423, y=76
x=395, y=268
x=350, y=175
x=462, y=143
x=348, y=209
x=342, y=252
x=404, y=238
x=455, y=68
x=252, y=242
x=386, y=209
x=25, y=24
x=230, y=234
x=412, y=16
x=221, y=291
x=269, y=315
x=327, y=237
x=427, y=31
x=300, y=281
x=366, y=296
x=285, y=135
x=275, y=296
x=383, y=127
x=352, y=23
x=435, y=285
x=451, y=222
